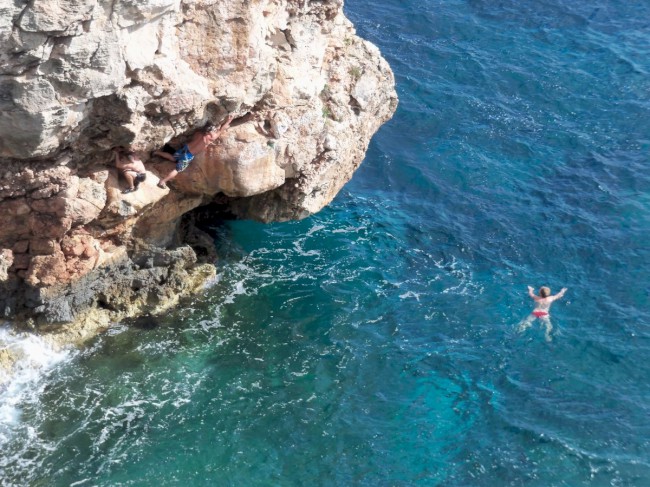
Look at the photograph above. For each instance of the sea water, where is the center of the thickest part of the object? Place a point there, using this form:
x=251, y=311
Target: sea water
x=376, y=342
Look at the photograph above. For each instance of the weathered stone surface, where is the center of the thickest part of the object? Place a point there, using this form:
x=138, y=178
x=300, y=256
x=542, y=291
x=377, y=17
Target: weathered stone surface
x=14, y=219
x=80, y=77
x=92, y=192
x=244, y=164
x=21, y=262
x=119, y=206
x=40, y=246
x=44, y=225
x=56, y=15
x=47, y=270
x=55, y=206
x=21, y=247
x=6, y=261
x=79, y=246
x=81, y=211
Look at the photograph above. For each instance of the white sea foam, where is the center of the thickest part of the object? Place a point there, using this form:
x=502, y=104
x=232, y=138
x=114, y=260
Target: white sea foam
x=33, y=358
x=315, y=229
x=306, y=253
x=116, y=329
x=410, y=294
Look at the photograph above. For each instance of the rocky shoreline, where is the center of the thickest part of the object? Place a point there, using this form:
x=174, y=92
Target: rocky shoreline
x=80, y=79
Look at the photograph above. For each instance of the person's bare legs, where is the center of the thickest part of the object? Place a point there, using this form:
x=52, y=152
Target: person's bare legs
x=525, y=323
x=166, y=155
x=128, y=175
x=163, y=182
x=549, y=327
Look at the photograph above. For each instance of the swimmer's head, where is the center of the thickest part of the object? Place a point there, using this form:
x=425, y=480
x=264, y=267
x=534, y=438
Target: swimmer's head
x=544, y=291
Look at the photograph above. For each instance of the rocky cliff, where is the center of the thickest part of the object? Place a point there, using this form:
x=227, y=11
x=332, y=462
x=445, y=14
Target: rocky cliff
x=80, y=77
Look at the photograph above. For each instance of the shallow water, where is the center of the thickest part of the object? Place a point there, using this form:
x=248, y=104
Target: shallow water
x=376, y=343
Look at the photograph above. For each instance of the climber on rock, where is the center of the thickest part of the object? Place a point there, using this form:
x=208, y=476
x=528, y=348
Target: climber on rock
x=131, y=167
x=184, y=156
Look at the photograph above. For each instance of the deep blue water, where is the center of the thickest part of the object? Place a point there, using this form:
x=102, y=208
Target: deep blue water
x=376, y=342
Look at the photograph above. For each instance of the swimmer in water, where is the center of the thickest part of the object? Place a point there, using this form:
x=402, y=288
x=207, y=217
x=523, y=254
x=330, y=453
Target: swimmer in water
x=542, y=308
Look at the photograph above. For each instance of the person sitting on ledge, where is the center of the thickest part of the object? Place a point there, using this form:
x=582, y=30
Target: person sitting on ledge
x=184, y=156
x=131, y=167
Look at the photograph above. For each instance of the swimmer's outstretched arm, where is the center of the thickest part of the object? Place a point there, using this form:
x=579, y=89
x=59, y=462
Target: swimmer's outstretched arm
x=531, y=293
x=560, y=294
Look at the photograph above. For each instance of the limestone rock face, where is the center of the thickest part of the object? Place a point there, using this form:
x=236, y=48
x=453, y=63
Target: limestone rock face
x=80, y=77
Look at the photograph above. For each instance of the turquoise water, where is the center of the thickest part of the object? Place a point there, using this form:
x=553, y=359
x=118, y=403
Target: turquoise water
x=376, y=342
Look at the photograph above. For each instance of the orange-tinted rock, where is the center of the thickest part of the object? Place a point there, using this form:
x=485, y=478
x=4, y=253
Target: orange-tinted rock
x=48, y=227
x=51, y=206
x=21, y=247
x=40, y=246
x=16, y=207
x=47, y=270
x=72, y=246
x=21, y=261
x=78, y=267
x=79, y=246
